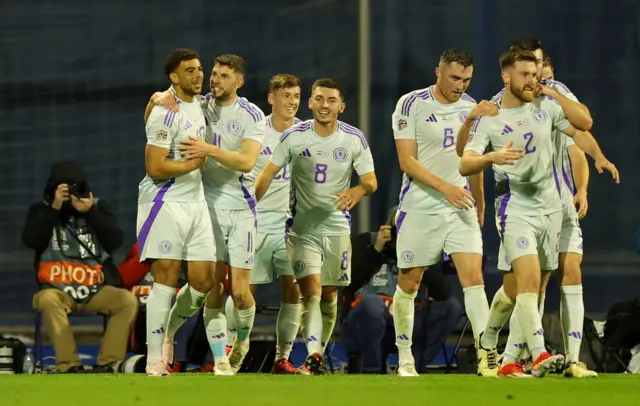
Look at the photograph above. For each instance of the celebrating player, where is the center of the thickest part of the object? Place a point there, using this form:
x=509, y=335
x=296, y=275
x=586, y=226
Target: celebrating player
x=234, y=133
x=436, y=210
x=271, y=251
x=173, y=220
x=322, y=153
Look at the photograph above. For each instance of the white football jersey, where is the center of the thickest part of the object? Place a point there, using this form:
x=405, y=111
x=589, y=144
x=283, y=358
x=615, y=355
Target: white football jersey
x=531, y=186
x=166, y=129
x=321, y=167
x=434, y=126
x=227, y=128
x=273, y=208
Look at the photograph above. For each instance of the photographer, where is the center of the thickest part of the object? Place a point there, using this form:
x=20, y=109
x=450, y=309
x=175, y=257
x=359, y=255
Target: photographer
x=74, y=235
x=368, y=329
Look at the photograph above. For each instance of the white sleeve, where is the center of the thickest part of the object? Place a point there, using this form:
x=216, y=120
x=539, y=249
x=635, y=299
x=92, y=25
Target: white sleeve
x=569, y=142
x=478, y=137
x=403, y=118
x=558, y=118
x=563, y=90
x=362, y=158
x=281, y=153
x=161, y=127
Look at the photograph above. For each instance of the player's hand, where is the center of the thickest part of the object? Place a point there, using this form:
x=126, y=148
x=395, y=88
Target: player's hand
x=506, y=155
x=603, y=164
x=349, y=198
x=165, y=99
x=459, y=197
x=61, y=195
x=544, y=90
x=383, y=237
x=581, y=203
x=195, y=148
x=484, y=108
x=82, y=204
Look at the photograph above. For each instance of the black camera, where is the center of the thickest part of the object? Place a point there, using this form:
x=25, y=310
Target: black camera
x=79, y=190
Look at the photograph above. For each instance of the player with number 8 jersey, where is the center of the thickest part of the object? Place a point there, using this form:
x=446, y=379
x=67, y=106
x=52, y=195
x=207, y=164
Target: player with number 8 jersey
x=322, y=154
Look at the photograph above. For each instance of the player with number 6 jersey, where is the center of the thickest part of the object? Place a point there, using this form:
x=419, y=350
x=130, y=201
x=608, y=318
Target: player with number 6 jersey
x=436, y=211
x=322, y=154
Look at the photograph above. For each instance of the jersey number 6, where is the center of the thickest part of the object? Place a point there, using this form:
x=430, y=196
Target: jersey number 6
x=449, y=140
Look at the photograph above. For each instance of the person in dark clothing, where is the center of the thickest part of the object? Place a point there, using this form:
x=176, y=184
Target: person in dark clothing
x=368, y=330
x=73, y=235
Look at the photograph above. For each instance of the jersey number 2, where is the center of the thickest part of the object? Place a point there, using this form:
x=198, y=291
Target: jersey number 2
x=527, y=147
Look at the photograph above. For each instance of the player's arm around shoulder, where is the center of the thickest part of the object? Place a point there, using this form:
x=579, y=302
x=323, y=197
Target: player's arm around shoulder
x=281, y=156
x=577, y=113
x=162, y=128
x=485, y=108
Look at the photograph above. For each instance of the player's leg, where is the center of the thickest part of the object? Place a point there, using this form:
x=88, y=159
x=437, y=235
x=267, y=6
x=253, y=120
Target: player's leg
x=571, y=300
x=305, y=256
x=288, y=322
x=241, y=247
x=463, y=242
x=418, y=246
x=161, y=227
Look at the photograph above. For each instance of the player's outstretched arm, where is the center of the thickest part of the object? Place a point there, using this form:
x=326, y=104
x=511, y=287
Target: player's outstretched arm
x=242, y=161
x=349, y=198
x=580, y=169
x=165, y=99
x=158, y=167
x=473, y=163
x=577, y=113
x=264, y=179
x=585, y=141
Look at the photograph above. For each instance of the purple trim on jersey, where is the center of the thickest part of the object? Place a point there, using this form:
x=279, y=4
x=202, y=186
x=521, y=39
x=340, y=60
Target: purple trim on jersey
x=169, y=117
x=346, y=128
x=502, y=210
x=247, y=196
x=155, y=209
x=405, y=190
x=498, y=96
x=298, y=128
x=475, y=124
x=553, y=100
x=468, y=98
x=406, y=105
x=400, y=220
x=249, y=109
x=347, y=216
x=550, y=82
x=567, y=180
x=555, y=178
x=296, y=120
x=269, y=121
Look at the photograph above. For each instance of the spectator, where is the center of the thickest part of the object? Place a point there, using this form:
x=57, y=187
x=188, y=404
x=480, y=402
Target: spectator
x=368, y=329
x=73, y=235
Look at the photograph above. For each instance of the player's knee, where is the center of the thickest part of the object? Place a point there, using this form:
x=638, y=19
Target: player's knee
x=409, y=280
x=291, y=293
x=240, y=296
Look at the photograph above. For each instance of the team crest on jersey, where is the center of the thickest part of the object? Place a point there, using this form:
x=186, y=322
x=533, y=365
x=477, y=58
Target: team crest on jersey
x=463, y=116
x=522, y=242
x=407, y=256
x=299, y=265
x=540, y=116
x=165, y=246
x=340, y=154
x=161, y=135
x=402, y=124
x=233, y=126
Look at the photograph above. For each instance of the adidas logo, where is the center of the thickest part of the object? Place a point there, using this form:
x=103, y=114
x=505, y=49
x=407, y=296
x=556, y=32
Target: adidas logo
x=402, y=337
x=232, y=330
x=188, y=125
x=249, y=261
x=306, y=152
x=266, y=151
x=311, y=339
x=432, y=119
x=221, y=335
x=539, y=332
x=519, y=345
x=507, y=130
x=159, y=331
x=344, y=278
x=575, y=334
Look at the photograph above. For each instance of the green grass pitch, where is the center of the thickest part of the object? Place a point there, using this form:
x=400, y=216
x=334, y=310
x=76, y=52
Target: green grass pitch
x=330, y=390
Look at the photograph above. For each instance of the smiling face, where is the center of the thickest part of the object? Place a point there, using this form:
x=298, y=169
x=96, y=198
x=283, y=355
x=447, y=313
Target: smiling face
x=188, y=76
x=285, y=102
x=326, y=104
x=225, y=82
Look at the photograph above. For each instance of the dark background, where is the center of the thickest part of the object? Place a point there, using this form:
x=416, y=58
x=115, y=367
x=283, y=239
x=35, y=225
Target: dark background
x=76, y=77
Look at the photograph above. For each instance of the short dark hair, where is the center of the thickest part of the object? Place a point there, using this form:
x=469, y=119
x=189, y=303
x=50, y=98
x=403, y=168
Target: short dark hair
x=455, y=55
x=173, y=60
x=329, y=84
x=548, y=62
x=510, y=58
x=527, y=44
x=283, y=81
x=235, y=62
